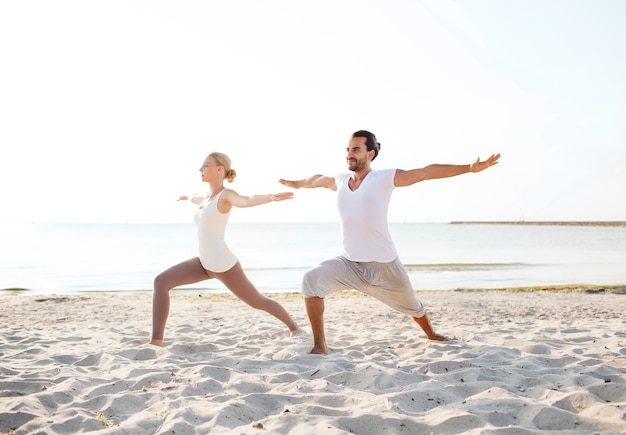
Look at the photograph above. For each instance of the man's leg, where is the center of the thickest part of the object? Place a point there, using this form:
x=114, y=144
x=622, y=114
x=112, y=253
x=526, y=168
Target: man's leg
x=315, y=311
x=424, y=323
x=391, y=285
x=330, y=276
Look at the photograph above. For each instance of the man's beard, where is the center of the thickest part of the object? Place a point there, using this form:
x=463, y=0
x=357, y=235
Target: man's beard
x=355, y=165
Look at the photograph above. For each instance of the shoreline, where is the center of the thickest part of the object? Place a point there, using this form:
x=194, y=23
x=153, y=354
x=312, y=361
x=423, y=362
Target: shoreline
x=610, y=288
x=557, y=223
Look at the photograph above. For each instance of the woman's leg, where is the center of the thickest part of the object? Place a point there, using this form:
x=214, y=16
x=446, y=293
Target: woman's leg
x=238, y=283
x=187, y=272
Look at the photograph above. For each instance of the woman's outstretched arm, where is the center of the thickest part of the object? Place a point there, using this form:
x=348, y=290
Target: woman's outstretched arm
x=230, y=199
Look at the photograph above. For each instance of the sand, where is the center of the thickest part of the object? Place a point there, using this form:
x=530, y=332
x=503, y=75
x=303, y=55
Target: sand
x=524, y=362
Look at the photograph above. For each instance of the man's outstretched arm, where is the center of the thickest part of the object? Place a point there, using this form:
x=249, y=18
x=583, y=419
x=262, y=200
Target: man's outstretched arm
x=311, y=182
x=432, y=172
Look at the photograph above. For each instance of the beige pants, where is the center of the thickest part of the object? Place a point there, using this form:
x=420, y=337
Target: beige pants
x=387, y=282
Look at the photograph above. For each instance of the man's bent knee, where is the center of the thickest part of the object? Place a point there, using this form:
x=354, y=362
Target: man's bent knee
x=310, y=284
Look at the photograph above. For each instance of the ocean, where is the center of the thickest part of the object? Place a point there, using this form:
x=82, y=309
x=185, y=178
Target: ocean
x=79, y=258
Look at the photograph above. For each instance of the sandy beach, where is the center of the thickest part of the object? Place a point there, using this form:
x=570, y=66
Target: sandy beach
x=524, y=362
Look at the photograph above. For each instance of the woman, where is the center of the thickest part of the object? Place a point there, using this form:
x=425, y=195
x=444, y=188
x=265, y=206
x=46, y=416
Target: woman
x=215, y=260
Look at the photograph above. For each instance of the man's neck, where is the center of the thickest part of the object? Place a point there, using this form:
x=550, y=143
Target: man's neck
x=361, y=173
x=357, y=178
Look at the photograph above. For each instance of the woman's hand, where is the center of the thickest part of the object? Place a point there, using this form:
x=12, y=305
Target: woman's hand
x=282, y=196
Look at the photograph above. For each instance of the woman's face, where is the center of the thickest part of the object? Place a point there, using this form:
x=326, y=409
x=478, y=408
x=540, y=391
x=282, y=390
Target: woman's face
x=211, y=170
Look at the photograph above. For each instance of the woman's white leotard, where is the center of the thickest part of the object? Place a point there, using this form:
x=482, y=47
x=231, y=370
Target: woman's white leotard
x=214, y=254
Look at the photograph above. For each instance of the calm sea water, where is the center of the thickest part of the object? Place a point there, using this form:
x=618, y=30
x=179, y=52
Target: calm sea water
x=72, y=258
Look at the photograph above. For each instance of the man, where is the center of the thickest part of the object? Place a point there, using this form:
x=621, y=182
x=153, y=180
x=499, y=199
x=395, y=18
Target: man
x=369, y=262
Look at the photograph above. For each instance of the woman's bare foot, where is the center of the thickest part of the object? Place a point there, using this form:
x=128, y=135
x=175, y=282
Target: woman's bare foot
x=295, y=332
x=156, y=342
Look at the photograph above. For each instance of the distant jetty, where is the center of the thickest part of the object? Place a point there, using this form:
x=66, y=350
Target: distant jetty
x=568, y=223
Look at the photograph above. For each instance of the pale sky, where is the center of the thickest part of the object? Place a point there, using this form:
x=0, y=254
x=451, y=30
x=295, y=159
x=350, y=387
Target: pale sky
x=107, y=109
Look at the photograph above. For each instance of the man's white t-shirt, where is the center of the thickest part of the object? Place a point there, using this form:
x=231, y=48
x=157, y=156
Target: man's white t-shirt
x=363, y=215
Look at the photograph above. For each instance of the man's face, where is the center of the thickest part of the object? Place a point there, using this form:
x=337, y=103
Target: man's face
x=357, y=155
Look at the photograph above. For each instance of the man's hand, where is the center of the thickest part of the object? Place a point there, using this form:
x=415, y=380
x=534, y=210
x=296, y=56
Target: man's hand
x=311, y=182
x=290, y=183
x=478, y=166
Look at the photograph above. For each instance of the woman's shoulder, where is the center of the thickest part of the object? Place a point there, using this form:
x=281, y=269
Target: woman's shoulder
x=227, y=193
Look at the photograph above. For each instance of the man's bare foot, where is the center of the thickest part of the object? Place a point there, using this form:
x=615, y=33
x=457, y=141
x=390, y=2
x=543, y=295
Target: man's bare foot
x=156, y=342
x=319, y=350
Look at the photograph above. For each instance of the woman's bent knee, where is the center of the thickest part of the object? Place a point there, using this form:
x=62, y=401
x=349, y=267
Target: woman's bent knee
x=161, y=283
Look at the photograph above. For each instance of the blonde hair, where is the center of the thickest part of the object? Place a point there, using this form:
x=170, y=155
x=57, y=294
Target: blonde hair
x=224, y=161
